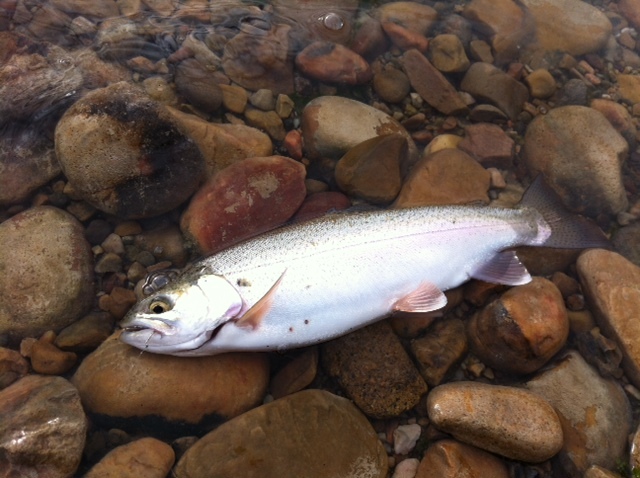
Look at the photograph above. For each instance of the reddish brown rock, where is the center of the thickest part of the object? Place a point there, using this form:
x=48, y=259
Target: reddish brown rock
x=619, y=117
x=415, y=17
x=431, y=85
x=522, y=330
x=142, y=458
x=404, y=38
x=48, y=359
x=195, y=83
x=296, y=375
x=449, y=176
x=293, y=144
x=452, y=459
x=321, y=203
x=245, y=199
x=371, y=170
x=489, y=145
x=12, y=367
x=333, y=63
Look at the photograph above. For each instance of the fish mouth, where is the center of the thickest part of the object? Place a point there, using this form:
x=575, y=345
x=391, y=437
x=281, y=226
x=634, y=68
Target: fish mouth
x=141, y=324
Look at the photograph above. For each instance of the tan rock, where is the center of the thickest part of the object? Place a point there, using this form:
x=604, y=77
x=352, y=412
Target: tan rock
x=293, y=436
x=413, y=16
x=267, y=121
x=631, y=11
x=619, y=117
x=48, y=359
x=442, y=141
x=452, y=459
x=86, y=334
x=629, y=87
x=234, y=98
x=596, y=471
x=391, y=84
x=296, y=375
x=12, y=367
x=143, y=458
x=508, y=421
x=541, y=83
x=447, y=54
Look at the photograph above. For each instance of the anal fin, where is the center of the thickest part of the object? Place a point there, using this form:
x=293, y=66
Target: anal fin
x=426, y=298
x=504, y=268
x=253, y=317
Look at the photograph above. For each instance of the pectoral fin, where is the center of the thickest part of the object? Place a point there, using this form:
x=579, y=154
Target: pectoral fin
x=253, y=317
x=425, y=298
x=505, y=268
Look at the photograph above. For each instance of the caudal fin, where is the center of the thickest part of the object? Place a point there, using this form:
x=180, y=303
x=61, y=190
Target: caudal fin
x=568, y=230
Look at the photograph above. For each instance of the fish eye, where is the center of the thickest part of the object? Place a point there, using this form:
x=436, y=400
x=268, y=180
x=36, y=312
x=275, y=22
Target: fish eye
x=159, y=306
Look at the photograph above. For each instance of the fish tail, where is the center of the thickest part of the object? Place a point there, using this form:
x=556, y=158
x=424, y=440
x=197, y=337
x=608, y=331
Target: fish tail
x=565, y=229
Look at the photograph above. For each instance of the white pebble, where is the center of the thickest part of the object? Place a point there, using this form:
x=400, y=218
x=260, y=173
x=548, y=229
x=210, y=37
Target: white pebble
x=406, y=468
x=405, y=438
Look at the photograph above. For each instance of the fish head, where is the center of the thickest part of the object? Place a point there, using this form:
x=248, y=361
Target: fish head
x=181, y=316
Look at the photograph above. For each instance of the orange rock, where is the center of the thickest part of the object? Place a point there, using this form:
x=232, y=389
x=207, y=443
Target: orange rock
x=143, y=458
x=452, y=459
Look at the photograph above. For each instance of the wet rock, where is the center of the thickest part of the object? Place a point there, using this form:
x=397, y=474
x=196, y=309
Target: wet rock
x=243, y=200
x=196, y=84
x=12, y=367
x=405, y=39
x=442, y=141
x=489, y=145
x=370, y=40
x=580, y=155
x=51, y=264
x=629, y=88
x=572, y=26
x=321, y=203
x=405, y=438
x=257, y=61
x=414, y=17
x=452, y=459
x=86, y=334
x=48, y=359
x=447, y=54
x=391, y=84
x=431, y=85
x=240, y=447
x=296, y=375
x=118, y=381
x=142, y=458
x=263, y=99
x=611, y=285
x=521, y=330
x=449, y=176
x=508, y=421
x=165, y=243
x=124, y=153
x=439, y=350
x=381, y=380
x=487, y=83
x=573, y=92
x=223, y=144
x=596, y=471
x=27, y=161
x=480, y=50
x=117, y=302
x=626, y=240
x=43, y=428
x=333, y=63
x=594, y=412
x=268, y=121
x=505, y=23
x=234, y=98
x=619, y=117
x=98, y=10
x=406, y=468
x=541, y=83
x=46, y=22
x=371, y=170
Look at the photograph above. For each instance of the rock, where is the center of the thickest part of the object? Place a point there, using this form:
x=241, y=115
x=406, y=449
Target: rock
x=51, y=264
x=442, y=141
x=489, y=145
x=447, y=54
x=118, y=302
x=573, y=92
x=629, y=88
x=580, y=155
x=631, y=11
x=223, y=144
x=86, y=334
x=505, y=23
x=380, y=378
x=571, y=26
x=541, y=83
x=439, y=350
x=480, y=50
x=245, y=199
x=619, y=117
x=43, y=428
x=48, y=359
x=406, y=468
x=405, y=438
x=412, y=16
x=194, y=82
x=99, y=10
x=487, y=83
x=302, y=441
x=260, y=61
x=332, y=125
x=371, y=170
x=263, y=99
x=124, y=153
x=234, y=98
x=391, y=85
x=594, y=412
x=142, y=458
x=27, y=161
x=431, y=85
x=611, y=285
x=12, y=367
x=296, y=375
x=165, y=243
x=626, y=241
x=321, y=203
x=452, y=459
x=405, y=39
x=117, y=381
x=521, y=330
x=333, y=63
x=508, y=421
x=596, y=471
x=449, y=176
x=268, y=121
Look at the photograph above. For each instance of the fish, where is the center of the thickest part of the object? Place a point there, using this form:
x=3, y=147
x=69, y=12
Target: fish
x=310, y=282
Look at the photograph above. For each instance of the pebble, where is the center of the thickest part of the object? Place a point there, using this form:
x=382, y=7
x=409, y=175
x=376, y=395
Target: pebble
x=333, y=63
x=580, y=155
x=404, y=38
x=444, y=346
x=594, y=412
x=522, y=329
x=142, y=458
x=541, y=83
x=449, y=176
x=124, y=153
x=405, y=438
x=447, y=54
x=489, y=145
x=12, y=367
x=431, y=85
x=406, y=468
x=619, y=117
x=391, y=84
x=43, y=427
x=371, y=169
x=269, y=442
x=193, y=81
x=86, y=334
x=487, y=83
x=382, y=381
x=243, y=200
x=48, y=359
x=52, y=260
x=413, y=16
x=295, y=375
x=263, y=99
x=508, y=421
x=442, y=141
x=452, y=459
x=234, y=98
x=165, y=243
x=611, y=285
x=268, y=121
x=117, y=381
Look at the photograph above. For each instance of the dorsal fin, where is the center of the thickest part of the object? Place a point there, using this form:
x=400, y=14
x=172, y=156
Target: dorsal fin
x=253, y=317
x=425, y=298
x=504, y=268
